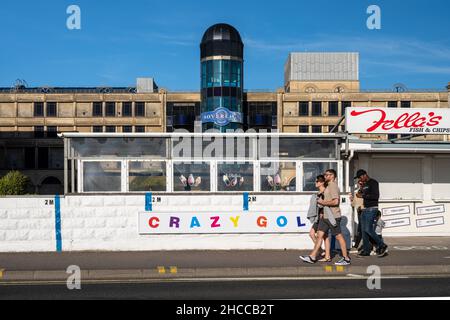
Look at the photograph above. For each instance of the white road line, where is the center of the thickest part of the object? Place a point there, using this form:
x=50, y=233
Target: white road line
x=199, y=280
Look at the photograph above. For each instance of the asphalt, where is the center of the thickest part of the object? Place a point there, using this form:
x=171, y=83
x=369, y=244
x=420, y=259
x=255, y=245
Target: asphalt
x=407, y=257
x=233, y=290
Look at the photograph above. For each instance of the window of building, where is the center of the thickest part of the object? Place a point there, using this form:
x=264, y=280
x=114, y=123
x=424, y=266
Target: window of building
x=39, y=131
x=392, y=104
x=97, y=129
x=51, y=109
x=139, y=129
x=97, y=109
x=52, y=132
x=43, y=158
x=330, y=129
x=30, y=161
x=303, y=129
x=110, y=129
x=317, y=108
x=406, y=104
x=316, y=129
x=38, y=109
x=260, y=115
x=345, y=105
x=303, y=108
x=139, y=109
x=110, y=109
x=127, y=109
x=392, y=136
x=333, y=108
x=127, y=129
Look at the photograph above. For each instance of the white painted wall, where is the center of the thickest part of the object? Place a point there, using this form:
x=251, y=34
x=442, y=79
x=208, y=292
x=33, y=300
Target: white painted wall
x=412, y=181
x=110, y=223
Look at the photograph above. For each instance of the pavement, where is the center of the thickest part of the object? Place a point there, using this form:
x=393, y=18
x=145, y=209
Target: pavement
x=418, y=257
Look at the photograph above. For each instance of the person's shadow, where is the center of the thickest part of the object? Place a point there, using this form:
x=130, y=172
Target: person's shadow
x=346, y=233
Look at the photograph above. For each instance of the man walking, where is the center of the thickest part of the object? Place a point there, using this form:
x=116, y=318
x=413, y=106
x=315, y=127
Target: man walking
x=331, y=221
x=371, y=195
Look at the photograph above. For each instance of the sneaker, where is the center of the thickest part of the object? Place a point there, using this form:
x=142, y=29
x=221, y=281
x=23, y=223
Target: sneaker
x=383, y=251
x=363, y=254
x=308, y=259
x=374, y=253
x=354, y=250
x=343, y=262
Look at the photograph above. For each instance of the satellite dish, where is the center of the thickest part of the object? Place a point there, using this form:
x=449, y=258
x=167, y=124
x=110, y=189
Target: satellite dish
x=399, y=87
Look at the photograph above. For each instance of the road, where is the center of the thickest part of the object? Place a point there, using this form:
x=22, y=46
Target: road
x=234, y=290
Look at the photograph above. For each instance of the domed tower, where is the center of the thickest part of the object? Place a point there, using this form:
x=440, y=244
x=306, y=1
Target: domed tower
x=222, y=82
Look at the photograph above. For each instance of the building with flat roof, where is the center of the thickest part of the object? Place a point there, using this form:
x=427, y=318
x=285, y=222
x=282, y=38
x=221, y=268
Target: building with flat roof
x=318, y=88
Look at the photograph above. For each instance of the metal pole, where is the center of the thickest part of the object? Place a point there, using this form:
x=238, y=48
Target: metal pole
x=66, y=173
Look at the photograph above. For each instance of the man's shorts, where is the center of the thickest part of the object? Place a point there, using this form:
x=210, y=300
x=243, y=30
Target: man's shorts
x=326, y=226
x=315, y=227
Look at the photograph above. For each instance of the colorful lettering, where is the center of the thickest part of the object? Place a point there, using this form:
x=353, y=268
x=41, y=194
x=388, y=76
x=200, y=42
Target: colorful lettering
x=215, y=223
x=195, y=223
x=262, y=222
x=299, y=222
x=174, y=221
x=282, y=221
x=152, y=223
x=235, y=221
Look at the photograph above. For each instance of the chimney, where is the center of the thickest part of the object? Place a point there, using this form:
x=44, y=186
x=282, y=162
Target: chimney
x=146, y=85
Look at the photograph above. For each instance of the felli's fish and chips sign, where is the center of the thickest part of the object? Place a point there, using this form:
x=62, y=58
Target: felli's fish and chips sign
x=398, y=121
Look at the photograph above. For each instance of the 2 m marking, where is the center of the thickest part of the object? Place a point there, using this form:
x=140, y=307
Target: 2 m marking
x=49, y=202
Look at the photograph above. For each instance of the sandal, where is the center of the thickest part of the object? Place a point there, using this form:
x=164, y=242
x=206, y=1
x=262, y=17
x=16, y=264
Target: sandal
x=326, y=260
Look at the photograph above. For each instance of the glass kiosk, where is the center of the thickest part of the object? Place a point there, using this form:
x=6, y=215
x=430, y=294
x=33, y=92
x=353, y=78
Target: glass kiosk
x=198, y=163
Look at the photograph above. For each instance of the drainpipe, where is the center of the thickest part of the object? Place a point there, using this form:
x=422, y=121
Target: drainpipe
x=347, y=170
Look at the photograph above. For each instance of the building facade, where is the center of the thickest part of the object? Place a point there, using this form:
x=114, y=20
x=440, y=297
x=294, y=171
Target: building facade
x=318, y=88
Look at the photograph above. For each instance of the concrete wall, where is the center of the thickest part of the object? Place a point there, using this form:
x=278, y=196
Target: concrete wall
x=110, y=223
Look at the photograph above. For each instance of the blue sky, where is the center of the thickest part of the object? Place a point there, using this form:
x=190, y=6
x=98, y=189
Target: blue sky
x=121, y=40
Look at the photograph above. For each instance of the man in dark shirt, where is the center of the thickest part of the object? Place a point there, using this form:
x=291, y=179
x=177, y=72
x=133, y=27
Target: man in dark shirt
x=371, y=194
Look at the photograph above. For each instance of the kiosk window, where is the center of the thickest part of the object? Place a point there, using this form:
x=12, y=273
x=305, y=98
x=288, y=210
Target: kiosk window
x=234, y=177
x=191, y=177
x=147, y=176
x=313, y=169
x=102, y=176
x=278, y=176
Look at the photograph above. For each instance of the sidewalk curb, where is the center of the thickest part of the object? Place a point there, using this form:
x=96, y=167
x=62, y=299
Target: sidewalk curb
x=199, y=273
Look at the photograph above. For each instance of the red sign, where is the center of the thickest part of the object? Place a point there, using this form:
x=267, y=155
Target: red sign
x=398, y=121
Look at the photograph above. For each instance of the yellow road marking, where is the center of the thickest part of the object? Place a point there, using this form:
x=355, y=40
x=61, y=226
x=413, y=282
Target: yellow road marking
x=328, y=269
x=340, y=269
x=173, y=270
x=1, y=273
x=161, y=270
